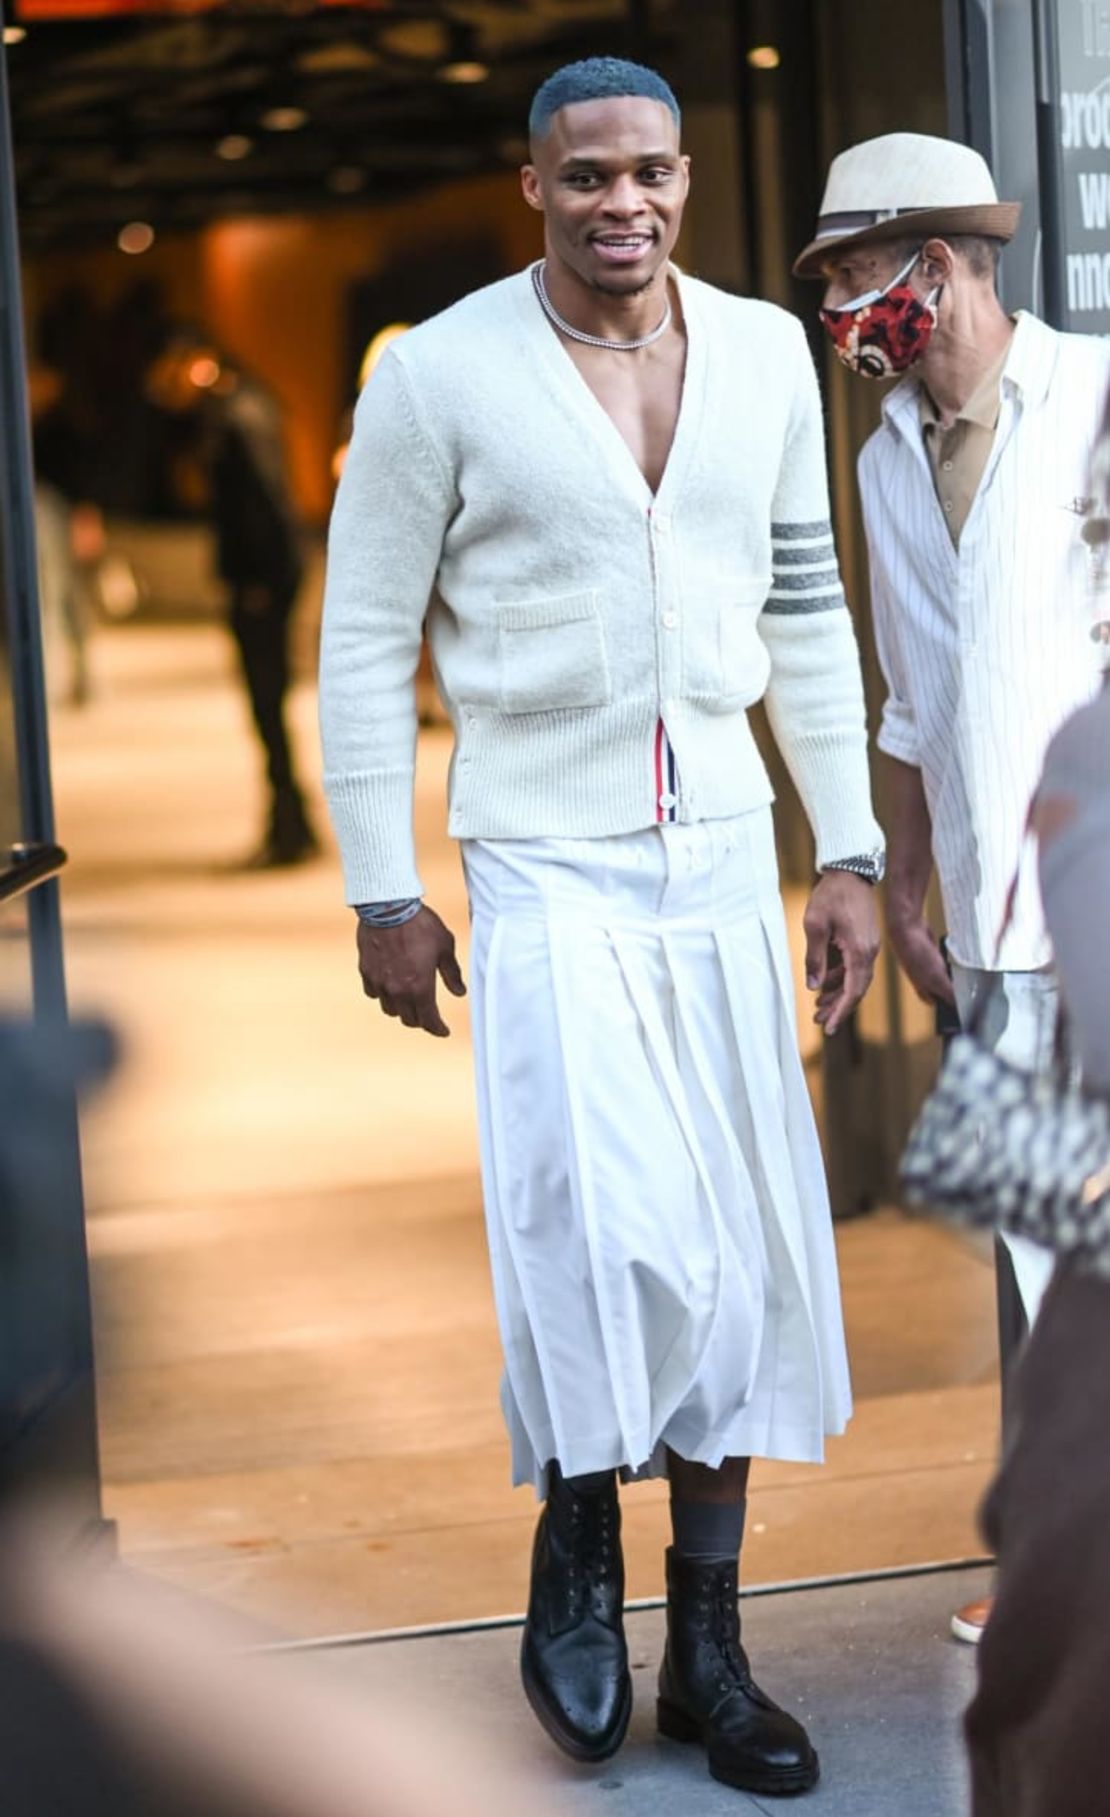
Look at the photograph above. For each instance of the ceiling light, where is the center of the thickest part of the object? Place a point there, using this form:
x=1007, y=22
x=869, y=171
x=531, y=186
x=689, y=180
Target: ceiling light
x=14, y=34
x=204, y=372
x=337, y=59
x=418, y=40
x=234, y=146
x=464, y=74
x=137, y=236
x=764, y=56
x=284, y=119
x=346, y=180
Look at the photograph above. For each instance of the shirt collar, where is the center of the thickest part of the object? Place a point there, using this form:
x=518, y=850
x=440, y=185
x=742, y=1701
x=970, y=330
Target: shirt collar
x=983, y=407
x=1027, y=372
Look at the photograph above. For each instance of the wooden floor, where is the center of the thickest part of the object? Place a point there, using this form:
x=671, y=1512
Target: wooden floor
x=297, y=1357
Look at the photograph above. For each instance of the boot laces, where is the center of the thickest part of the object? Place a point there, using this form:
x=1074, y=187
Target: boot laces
x=723, y=1621
x=593, y=1531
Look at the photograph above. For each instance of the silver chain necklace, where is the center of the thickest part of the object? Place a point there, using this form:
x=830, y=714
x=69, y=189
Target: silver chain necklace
x=593, y=340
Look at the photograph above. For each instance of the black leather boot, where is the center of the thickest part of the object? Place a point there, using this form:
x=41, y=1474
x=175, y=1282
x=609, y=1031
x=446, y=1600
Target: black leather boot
x=706, y=1690
x=573, y=1658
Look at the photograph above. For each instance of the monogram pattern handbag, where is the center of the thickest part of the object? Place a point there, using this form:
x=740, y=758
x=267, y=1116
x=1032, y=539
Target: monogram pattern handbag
x=994, y=1145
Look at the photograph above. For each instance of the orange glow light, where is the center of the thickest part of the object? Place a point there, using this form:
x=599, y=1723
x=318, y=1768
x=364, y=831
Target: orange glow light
x=464, y=75
x=378, y=346
x=204, y=372
x=136, y=237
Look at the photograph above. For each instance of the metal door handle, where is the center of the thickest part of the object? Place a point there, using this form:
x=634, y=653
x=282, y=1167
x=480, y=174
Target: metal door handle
x=27, y=866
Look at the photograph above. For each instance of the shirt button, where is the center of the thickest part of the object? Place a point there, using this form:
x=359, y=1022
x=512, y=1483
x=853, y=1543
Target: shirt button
x=667, y=800
x=670, y=620
x=947, y=466
x=948, y=504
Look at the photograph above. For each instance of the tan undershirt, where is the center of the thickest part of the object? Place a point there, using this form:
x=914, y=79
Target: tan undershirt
x=959, y=456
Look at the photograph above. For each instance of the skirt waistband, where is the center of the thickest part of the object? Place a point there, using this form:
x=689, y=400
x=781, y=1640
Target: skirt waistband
x=699, y=875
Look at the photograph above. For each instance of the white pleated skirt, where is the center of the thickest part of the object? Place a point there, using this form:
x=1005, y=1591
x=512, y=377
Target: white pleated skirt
x=659, y=1229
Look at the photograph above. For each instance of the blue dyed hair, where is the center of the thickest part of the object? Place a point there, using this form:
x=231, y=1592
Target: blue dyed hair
x=597, y=79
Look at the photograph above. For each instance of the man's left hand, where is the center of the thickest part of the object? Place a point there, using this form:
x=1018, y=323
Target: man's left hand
x=842, y=944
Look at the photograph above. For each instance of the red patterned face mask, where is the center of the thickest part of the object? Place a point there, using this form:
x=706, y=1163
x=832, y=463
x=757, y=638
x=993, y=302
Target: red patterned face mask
x=884, y=331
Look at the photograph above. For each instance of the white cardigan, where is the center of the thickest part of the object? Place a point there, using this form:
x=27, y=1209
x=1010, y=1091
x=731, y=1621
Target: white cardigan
x=567, y=608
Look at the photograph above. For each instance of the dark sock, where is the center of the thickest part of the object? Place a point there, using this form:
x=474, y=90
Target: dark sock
x=708, y=1531
x=592, y=1484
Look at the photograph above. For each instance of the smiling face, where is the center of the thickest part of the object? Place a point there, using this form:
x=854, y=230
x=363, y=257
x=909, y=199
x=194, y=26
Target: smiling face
x=611, y=183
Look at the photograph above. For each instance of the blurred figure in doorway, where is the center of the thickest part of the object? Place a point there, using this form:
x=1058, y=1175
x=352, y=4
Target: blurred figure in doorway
x=69, y=532
x=237, y=470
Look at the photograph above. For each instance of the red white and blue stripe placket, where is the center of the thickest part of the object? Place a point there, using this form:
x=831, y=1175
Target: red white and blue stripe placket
x=666, y=767
x=666, y=777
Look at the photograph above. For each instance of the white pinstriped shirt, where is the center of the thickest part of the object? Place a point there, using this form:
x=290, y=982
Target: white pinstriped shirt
x=986, y=648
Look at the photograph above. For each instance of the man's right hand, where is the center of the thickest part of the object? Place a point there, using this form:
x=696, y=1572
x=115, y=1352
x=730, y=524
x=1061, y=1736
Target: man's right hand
x=399, y=966
x=921, y=959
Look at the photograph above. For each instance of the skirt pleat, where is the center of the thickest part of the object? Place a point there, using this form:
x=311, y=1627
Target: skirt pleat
x=660, y=1240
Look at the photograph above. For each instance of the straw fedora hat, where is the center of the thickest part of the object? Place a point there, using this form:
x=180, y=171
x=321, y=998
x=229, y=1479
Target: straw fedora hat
x=902, y=186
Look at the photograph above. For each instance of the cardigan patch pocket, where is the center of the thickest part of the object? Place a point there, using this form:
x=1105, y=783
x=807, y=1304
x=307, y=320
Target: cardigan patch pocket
x=551, y=654
x=724, y=661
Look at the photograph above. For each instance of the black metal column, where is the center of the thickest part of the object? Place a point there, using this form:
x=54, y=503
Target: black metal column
x=47, y=1392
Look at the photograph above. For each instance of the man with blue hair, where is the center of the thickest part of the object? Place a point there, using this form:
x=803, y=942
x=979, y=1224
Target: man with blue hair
x=602, y=485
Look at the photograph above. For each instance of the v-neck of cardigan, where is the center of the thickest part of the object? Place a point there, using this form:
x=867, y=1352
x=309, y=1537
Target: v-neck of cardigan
x=583, y=400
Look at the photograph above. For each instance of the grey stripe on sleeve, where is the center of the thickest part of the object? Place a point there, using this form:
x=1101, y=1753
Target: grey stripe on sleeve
x=799, y=557
x=812, y=581
x=808, y=602
x=800, y=533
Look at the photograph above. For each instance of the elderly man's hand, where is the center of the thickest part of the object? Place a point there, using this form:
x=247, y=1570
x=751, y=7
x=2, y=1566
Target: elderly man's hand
x=842, y=944
x=920, y=957
x=399, y=967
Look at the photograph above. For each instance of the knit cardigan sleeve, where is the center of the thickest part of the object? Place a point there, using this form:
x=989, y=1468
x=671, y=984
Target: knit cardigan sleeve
x=815, y=694
x=393, y=506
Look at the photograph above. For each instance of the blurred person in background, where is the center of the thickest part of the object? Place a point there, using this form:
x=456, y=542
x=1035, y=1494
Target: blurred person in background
x=603, y=486
x=975, y=496
x=119, y=1697
x=236, y=468
x=69, y=533
x=1035, y=1728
